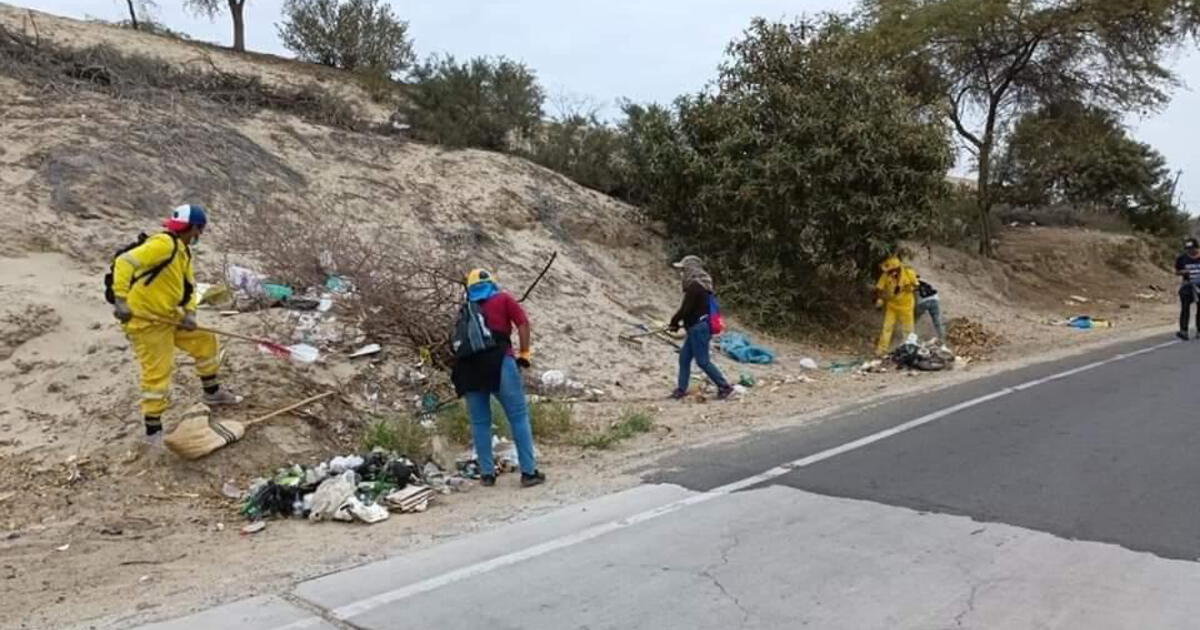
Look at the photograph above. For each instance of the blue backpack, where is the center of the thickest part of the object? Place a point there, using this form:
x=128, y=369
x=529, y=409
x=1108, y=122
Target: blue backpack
x=471, y=334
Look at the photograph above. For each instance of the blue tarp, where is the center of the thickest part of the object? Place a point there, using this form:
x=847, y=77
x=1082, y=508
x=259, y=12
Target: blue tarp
x=739, y=348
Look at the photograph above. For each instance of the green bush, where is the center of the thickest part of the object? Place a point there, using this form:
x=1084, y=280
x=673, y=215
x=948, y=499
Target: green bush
x=357, y=35
x=631, y=423
x=483, y=103
x=582, y=148
x=794, y=174
x=552, y=420
x=397, y=433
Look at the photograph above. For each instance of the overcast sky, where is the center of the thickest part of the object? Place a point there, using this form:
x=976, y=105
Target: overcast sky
x=644, y=50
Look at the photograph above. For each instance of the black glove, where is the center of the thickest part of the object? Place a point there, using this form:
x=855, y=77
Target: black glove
x=121, y=311
x=523, y=360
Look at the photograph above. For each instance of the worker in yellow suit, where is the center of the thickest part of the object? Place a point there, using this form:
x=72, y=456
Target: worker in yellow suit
x=154, y=280
x=896, y=294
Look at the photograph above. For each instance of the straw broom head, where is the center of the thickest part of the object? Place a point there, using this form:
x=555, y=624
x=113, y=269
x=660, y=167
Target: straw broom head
x=198, y=434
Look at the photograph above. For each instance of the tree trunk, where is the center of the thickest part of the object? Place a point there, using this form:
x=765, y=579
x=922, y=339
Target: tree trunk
x=239, y=24
x=983, y=197
x=132, y=15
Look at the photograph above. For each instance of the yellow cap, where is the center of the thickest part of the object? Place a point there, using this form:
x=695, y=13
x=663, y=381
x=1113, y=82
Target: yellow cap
x=477, y=276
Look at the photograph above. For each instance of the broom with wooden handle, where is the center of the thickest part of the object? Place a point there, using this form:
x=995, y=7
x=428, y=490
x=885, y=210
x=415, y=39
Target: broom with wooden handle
x=198, y=434
x=300, y=352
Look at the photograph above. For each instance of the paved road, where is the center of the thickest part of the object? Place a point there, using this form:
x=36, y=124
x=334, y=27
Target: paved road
x=1065, y=495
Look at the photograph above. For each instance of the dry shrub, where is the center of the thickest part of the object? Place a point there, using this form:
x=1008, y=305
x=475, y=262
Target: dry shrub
x=971, y=338
x=57, y=69
x=397, y=293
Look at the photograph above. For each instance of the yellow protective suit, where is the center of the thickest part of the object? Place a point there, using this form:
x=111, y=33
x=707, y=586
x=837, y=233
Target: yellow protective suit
x=163, y=298
x=898, y=295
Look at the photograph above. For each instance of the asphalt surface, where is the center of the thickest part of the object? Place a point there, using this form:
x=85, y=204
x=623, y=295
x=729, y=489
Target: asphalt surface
x=1063, y=496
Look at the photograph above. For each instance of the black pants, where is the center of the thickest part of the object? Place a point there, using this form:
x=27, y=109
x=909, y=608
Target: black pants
x=1187, y=297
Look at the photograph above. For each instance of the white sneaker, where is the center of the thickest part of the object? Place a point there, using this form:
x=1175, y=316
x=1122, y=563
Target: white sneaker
x=222, y=397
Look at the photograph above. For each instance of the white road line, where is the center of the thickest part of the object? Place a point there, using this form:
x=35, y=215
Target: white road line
x=370, y=603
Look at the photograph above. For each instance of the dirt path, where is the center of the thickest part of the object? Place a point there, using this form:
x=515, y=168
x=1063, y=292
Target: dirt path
x=134, y=541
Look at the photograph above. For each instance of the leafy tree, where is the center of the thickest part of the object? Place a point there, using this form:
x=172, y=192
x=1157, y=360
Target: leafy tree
x=480, y=103
x=210, y=9
x=362, y=35
x=583, y=148
x=794, y=174
x=984, y=62
x=1080, y=155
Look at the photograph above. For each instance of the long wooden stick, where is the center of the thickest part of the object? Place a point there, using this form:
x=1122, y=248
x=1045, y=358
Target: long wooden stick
x=538, y=279
x=306, y=401
x=157, y=320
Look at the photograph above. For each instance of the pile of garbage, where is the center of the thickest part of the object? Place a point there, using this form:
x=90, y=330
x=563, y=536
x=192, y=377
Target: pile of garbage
x=366, y=488
x=929, y=356
x=970, y=337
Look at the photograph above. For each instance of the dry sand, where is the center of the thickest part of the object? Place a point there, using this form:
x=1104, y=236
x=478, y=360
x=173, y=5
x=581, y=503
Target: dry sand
x=93, y=537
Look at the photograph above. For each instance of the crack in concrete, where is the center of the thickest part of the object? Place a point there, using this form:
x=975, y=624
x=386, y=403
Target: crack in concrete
x=708, y=573
x=970, y=605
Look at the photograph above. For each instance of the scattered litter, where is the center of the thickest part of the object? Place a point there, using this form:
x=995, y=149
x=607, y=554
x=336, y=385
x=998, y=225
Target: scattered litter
x=220, y=527
x=746, y=379
x=341, y=464
x=1079, y=298
x=353, y=488
x=414, y=498
x=1087, y=322
x=925, y=357
x=278, y=292
x=143, y=579
x=808, y=364
x=231, y=491
x=4, y=496
x=554, y=378
x=254, y=528
x=354, y=509
x=369, y=349
x=740, y=391
x=63, y=548
x=245, y=281
x=324, y=305
x=851, y=365
x=739, y=348
x=214, y=294
x=331, y=495
x=301, y=303
x=337, y=284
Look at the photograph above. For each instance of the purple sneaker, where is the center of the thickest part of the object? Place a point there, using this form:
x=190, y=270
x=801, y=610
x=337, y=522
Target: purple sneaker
x=678, y=394
x=725, y=392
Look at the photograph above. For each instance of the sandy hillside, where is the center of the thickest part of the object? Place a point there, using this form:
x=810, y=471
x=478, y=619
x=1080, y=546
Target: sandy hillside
x=93, y=537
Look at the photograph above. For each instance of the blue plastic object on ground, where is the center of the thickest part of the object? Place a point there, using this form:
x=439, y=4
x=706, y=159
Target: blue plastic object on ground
x=739, y=348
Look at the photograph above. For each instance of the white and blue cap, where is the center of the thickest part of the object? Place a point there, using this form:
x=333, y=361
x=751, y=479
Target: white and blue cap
x=186, y=216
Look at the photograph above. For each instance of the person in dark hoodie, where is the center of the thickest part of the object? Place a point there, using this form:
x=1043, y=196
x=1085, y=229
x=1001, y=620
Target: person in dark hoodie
x=1187, y=267
x=693, y=317
x=495, y=372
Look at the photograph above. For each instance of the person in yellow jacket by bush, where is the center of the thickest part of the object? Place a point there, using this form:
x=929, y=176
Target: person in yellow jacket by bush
x=896, y=294
x=155, y=280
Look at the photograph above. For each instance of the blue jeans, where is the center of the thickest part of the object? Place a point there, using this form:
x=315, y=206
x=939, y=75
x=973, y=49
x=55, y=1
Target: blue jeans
x=934, y=308
x=695, y=347
x=512, y=400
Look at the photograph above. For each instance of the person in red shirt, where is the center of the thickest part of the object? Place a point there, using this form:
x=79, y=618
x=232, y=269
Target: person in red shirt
x=496, y=372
